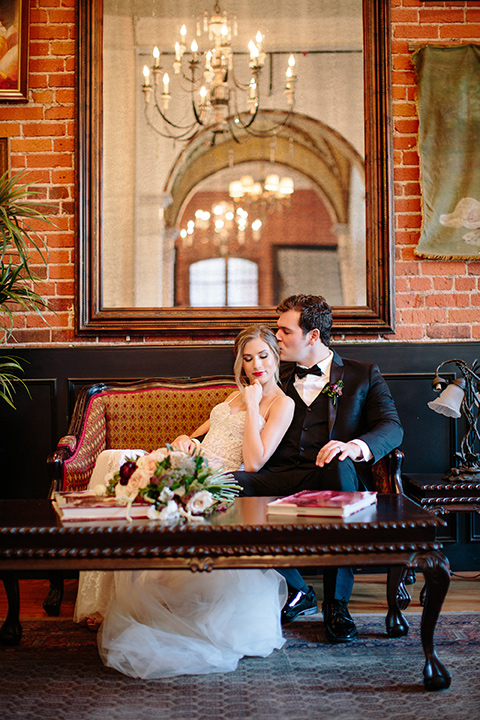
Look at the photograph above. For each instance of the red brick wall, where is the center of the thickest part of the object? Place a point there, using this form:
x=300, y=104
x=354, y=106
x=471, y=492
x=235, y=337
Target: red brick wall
x=41, y=140
x=434, y=299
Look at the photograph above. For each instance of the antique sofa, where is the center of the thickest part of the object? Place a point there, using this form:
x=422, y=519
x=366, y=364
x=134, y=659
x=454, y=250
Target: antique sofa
x=147, y=414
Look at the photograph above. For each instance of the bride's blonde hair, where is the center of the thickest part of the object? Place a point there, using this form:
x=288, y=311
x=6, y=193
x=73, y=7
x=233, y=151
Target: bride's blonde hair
x=252, y=332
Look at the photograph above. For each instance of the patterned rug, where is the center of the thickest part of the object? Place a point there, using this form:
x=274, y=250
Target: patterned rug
x=56, y=673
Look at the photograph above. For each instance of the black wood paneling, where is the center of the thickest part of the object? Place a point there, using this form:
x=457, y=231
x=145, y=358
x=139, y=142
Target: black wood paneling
x=55, y=375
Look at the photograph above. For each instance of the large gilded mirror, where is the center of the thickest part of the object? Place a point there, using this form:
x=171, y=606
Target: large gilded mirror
x=229, y=154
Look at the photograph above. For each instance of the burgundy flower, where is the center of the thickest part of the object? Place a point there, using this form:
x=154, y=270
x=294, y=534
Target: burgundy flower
x=126, y=471
x=334, y=390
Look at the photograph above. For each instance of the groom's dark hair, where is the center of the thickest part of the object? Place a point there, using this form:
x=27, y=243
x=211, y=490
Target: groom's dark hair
x=314, y=311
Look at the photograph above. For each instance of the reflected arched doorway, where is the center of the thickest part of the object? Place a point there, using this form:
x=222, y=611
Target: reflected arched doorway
x=323, y=237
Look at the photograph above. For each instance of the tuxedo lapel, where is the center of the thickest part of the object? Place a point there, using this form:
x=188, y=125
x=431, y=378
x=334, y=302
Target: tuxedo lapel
x=336, y=373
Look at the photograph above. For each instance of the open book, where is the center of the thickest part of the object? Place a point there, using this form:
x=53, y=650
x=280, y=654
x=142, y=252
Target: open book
x=331, y=503
x=86, y=505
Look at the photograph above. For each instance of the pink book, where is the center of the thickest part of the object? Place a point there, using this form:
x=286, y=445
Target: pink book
x=331, y=503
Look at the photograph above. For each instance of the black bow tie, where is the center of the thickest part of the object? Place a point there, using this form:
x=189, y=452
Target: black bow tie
x=301, y=372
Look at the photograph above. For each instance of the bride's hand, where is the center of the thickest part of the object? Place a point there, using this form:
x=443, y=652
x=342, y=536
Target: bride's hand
x=252, y=394
x=185, y=444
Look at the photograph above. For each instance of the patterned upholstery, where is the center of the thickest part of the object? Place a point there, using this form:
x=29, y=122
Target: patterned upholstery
x=78, y=469
x=382, y=481
x=155, y=417
x=145, y=416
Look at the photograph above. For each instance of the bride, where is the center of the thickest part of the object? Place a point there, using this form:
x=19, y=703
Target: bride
x=175, y=622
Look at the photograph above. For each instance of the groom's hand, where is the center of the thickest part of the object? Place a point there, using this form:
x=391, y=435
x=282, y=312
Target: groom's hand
x=336, y=447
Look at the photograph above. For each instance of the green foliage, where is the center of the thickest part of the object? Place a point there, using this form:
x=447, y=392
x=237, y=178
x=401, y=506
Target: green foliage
x=16, y=213
x=10, y=369
x=17, y=281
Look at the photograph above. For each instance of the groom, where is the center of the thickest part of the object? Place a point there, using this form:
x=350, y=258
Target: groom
x=344, y=421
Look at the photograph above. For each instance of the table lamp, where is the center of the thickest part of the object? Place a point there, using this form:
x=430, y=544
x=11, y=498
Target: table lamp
x=457, y=396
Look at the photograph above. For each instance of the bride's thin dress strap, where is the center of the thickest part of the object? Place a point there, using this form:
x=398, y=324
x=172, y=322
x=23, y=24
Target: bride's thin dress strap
x=233, y=398
x=268, y=409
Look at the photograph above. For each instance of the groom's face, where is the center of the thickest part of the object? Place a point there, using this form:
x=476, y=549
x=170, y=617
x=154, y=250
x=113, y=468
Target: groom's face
x=294, y=345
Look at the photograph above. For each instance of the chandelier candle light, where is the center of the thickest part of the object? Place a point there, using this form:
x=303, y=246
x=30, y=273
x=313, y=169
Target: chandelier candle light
x=461, y=394
x=212, y=83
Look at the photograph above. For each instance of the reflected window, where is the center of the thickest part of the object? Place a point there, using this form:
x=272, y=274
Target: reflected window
x=220, y=282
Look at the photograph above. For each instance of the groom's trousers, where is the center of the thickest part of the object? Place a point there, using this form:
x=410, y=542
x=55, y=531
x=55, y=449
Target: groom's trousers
x=337, y=475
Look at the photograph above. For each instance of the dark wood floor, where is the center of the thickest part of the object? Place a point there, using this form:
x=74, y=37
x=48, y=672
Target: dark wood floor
x=368, y=595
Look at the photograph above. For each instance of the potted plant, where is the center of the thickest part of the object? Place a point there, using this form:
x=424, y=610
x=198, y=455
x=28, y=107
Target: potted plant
x=18, y=239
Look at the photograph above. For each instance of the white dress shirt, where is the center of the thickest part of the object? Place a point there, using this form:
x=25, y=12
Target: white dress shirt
x=310, y=386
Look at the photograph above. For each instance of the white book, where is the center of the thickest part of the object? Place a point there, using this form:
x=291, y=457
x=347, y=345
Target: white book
x=86, y=505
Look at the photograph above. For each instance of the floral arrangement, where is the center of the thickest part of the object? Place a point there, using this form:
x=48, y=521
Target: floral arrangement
x=334, y=390
x=176, y=484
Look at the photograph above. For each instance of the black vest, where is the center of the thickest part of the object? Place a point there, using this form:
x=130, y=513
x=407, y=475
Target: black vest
x=308, y=432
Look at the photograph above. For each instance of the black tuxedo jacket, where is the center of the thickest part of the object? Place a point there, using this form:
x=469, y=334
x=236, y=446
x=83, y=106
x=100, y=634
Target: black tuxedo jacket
x=365, y=411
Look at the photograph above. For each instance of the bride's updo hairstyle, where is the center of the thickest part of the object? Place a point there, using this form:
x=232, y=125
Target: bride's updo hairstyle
x=252, y=332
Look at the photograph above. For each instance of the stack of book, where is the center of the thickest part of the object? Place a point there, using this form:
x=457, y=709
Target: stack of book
x=86, y=505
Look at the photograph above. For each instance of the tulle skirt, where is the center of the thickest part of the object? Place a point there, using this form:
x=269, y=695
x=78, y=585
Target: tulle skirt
x=175, y=622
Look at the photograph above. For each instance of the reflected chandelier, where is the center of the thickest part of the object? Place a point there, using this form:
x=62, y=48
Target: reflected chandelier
x=267, y=194
x=209, y=77
x=224, y=223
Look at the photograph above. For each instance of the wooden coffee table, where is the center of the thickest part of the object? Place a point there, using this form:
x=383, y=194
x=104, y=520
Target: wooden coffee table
x=394, y=533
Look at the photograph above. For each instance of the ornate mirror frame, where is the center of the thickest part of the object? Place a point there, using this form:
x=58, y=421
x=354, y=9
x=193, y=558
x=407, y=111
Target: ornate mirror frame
x=191, y=324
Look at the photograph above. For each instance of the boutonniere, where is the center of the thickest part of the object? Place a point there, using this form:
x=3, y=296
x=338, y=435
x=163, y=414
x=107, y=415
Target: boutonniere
x=333, y=390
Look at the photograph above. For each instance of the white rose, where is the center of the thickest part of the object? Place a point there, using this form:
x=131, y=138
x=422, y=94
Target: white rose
x=200, y=502
x=159, y=454
x=165, y=495
x=100, y=490
x=148, y=463
x=169, y=512
x=139, y=479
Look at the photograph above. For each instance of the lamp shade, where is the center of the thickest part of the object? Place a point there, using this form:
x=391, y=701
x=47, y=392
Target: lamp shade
x=235, y=189
x=272, y=182
x=449, y=401
x=286, y=186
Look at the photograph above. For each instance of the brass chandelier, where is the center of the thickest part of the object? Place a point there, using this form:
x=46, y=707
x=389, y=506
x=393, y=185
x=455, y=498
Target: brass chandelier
x=208, y=76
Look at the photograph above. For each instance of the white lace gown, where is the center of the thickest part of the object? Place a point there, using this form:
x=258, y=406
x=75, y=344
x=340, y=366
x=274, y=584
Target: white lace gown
x=175, y=622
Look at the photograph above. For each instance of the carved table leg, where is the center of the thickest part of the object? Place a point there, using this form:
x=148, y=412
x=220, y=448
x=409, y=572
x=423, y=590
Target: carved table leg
x=11, y=630
x=397, y=626
x=53, y=601
x=410, y=577
x=436, y=571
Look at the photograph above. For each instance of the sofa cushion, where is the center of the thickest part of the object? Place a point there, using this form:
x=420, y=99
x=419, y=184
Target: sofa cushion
x=152, y=418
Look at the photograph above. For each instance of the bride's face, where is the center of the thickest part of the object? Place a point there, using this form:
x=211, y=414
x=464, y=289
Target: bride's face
x=258, y=361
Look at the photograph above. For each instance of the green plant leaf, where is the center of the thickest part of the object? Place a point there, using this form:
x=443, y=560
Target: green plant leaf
x=16, y=210
x=10, y=369
x=18, y=238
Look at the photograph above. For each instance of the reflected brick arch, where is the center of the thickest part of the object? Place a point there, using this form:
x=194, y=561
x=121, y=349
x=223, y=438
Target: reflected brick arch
x=307, y=222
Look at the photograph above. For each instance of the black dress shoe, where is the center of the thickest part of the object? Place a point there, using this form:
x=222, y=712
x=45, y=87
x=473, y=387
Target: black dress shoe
x=299, y=603
x=339, y=625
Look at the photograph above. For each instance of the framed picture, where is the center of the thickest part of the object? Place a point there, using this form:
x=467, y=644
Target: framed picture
x=298, y=266
x=14, y=23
